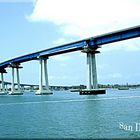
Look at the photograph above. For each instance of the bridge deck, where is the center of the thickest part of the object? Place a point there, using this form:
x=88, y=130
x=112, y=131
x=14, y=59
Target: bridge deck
x=92, y=42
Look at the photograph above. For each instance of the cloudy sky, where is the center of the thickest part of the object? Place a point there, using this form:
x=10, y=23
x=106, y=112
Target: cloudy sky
x=28, y=25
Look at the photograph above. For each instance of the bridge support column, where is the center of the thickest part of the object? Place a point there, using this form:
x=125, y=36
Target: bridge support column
x=6, y=87
x=46, y=74
x=13, y=83
x=13, y=90
x=18, y=80
x=91, y=72
x=92, y=84
x=3, y=91
x=2, y=82
x=43, y=74
x=31, y=88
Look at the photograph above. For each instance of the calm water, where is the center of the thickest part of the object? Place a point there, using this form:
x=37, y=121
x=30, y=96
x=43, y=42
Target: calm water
x=70, y=115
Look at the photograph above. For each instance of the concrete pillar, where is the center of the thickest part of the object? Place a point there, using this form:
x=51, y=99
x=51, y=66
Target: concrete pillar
x=43, y=74
x=94, y=72
x=91, y=71
x=13, y=91
x=92, y=85
x=22, y=88
x=31, y=88
x=6, y=87
x=18, y=80
x=0, y=87
x=88, y=71
x=2, y=83
x=46, y=74
x=13, y=78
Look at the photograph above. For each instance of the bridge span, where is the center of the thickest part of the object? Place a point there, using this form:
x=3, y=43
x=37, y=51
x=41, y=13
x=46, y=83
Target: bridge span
x=89, y=46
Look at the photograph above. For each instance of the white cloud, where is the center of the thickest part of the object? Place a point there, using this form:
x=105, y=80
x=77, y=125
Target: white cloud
x=87, y=17
x=59, y=41
x=62, y=41
x=128, y=45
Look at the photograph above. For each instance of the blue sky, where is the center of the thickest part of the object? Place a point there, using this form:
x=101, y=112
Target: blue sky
x=27, y=26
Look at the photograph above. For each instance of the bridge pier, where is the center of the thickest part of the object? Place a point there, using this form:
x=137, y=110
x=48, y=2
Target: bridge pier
x=3, y=91
x=31, y=88
x=6, y=88
x=91, y=72
x=92, y=84
x=22, y=88
x=43, y=72
x=13, y=90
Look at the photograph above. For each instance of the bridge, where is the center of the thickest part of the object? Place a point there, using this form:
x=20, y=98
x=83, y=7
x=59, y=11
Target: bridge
x=32, y=87
x=89, y=46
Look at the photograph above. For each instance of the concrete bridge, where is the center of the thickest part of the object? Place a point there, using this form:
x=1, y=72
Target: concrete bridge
x=89, y=46
x=29, y=87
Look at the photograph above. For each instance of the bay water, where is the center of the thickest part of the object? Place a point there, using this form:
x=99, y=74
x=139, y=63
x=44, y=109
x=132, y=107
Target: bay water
x=115, y=114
